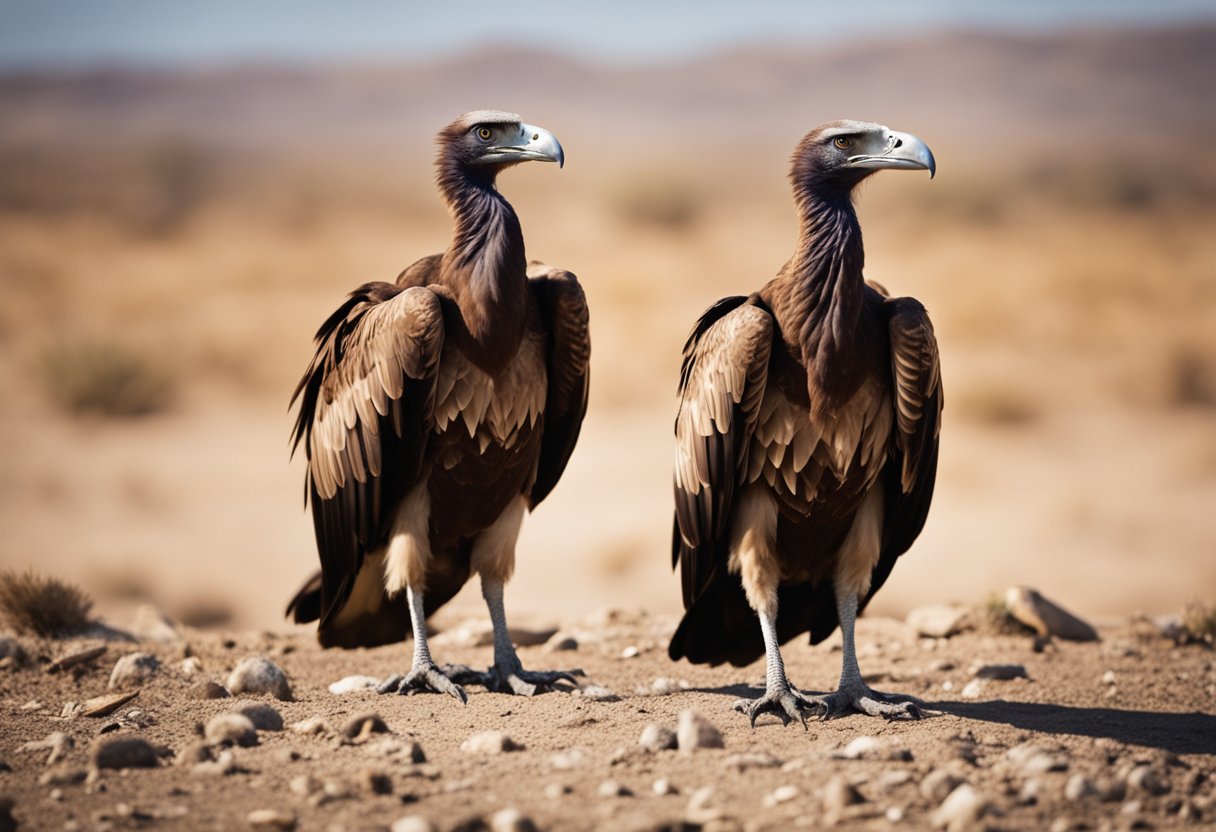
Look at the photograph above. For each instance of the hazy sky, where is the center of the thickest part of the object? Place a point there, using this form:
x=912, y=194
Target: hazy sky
x=50, y=32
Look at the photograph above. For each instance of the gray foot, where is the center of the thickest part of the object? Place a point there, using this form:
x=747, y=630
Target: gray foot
x=424, y=678
x=871, y=702
x=783, y=701
x=514, y=680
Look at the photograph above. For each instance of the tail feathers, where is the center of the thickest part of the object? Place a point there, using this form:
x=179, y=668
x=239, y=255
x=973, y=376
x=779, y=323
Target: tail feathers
x=305, y=606
x=721, y=626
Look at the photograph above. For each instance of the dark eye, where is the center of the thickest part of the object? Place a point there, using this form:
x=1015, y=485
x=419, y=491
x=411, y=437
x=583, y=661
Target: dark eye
x=843, y=143
x=484, y=133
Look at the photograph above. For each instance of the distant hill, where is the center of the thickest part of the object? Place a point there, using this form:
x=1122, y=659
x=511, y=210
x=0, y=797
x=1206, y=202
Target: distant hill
x=1077, y=92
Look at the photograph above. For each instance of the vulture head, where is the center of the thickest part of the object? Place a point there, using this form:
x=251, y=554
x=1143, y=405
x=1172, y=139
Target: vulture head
x=837, y=156
x=479, y=144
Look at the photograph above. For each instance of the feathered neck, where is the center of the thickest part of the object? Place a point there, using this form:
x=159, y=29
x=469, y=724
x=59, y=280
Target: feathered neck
x=485, y=265
x=826, y=292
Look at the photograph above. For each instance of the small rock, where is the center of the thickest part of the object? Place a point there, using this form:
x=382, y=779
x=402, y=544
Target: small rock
x=1045, y=617
x=231, y=729
x=889, y=781
x=839, y=793
x=56, y=742
x=191, y=666
x=1031, y=760
x=782, y=794
x=561, y=642
x=1109, y=678
x=259, y=675
x=490, y=742
x=894, y=814
x=263, y=717
x=271, y=819
x=404, y=751
x=1146, y=778
x=663, y=686
x=630, y=652
x=861, y=748
x=62, y=776
x=938, y=784
x=1002, y=672
x=1079, y=787
x=511, y=820
x=657, y=738
x=78, y=657
x=350, y=684
x=413, y=823
x=743, y=762
x=566, y=760
x=663, y=787
x=553, y=791
x=973, y=689
x=195, y=752
x=597, y=693
x=103, y=705
x=937, y=620
x=133, y=670
x=363, y=726
x=304, y=785
x=208, y=690
x=373, y=781
x=611, y=788
x=699, y=810
x=1028, y=795
x=150, y=624
x=312, y=725
x=12, y=653
x=695, y=731
x=125, y=752
x=961, y=810
x=224, y=764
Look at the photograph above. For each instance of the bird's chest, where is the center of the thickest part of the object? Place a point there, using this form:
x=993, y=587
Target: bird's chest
x=489, y=412
x=805, y=459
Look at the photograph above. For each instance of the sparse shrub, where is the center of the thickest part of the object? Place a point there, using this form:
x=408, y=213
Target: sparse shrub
x=105, y=378
x=657, y=201
x=34, y=605
x=993, y=617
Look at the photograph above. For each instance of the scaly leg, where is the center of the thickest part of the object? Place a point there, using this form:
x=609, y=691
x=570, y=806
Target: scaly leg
x=423, y=675
x=853, y=692
x=780, y=697
x=507, y=675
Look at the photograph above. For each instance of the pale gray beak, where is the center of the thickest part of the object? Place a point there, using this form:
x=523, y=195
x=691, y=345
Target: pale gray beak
x=903, y=151
x=529, y=144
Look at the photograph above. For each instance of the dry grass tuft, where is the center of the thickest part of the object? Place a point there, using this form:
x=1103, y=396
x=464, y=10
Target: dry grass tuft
x=993, y=617
x=34, y=605
x=106, y=379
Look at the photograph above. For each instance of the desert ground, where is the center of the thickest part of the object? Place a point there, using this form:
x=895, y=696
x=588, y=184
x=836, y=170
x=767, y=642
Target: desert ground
x=187, y=231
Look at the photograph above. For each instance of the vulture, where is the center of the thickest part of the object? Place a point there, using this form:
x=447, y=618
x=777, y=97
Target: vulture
x=435, y=412
x=806, y=441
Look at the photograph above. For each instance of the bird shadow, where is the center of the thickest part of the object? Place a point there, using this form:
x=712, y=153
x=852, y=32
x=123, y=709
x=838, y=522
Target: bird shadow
x=1179, y=733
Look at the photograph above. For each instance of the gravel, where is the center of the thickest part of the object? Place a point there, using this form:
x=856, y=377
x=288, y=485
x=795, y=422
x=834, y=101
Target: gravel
x=259, y=675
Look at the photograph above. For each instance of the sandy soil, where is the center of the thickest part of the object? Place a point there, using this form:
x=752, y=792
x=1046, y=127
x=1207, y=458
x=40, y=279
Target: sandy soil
x=1092, y=712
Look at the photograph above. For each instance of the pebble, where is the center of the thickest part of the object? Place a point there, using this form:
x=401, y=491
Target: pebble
x=630, y=652
x=1046, y=617
x=937, y=620
x=1001, y=672
x=743, y=762
x=695, y=731
x=373, y=781
x=663, y=786
x=413, y=823
x=664, y=686
x=889, y=781
x=263, y=717
x=781, y=794
x=597, y=693
x=553, y=791
x=125, y=752
x=223, y=764
x=938, y=784
x=961, y=810
x=259, y=675
x=838, y=794
x=566, y=760
x=1030, y=760
x=1079, y=787
x=208, y=690
x=1109, y=678
x=191, y=665
x=304, y=785
x=1147, y=779
x=1028, y=795
x=611, y=788
x=860, y=748
x=271, y=819
x=56, y=742
x=150, y=624
x=894, y=814
x=231, y=729
x=657, y=738
x=350, y=684
x=363, y=726
x=490, y=742
x=12, y=653
x=561, y=642
x=699, y=810
x=133, y=670
x=195, y=752
x=511, y=820
x=404, y=751
x=973, y=689
x=312, y=725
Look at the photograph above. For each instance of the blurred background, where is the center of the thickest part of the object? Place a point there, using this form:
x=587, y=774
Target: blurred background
x=188, y=189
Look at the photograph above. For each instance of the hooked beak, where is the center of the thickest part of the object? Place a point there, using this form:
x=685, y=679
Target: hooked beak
x=903, y=152
x=529, y=144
